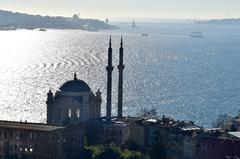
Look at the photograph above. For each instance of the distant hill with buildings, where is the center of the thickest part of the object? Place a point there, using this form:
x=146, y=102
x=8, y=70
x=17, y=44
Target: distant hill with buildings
x=11, y=20
x=220, y=21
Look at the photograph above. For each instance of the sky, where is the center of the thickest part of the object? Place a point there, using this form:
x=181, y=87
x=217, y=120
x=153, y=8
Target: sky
x=128, y=9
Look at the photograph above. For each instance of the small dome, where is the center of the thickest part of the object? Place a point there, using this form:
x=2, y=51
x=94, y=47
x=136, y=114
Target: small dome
x=75, y=85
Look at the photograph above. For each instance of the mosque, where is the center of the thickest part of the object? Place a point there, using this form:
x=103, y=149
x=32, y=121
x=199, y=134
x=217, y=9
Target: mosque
x=73, y=113
x=75, y=103
x=74, y=118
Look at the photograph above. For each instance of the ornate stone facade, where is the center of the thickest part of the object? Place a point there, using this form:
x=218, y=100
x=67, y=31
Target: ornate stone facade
x=73, y=103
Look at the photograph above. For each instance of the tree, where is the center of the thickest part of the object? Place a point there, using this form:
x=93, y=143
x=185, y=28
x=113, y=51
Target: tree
x=131, y=154
x=109, y=151
x=109, y=154
x=87, y=154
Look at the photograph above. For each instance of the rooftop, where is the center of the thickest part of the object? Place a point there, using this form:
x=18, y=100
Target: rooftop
x=75, y=85
x=235, y=134
x=152, y=120
x=190, y=128
x=28, y=126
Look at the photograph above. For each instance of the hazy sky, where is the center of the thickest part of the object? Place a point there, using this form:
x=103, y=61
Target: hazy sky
x=128, y=9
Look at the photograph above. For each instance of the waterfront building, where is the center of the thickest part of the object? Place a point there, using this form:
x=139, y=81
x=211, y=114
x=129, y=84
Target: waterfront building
x=34, y=140
x=236, y=123
x=218, y=145
x=178, y=139
x=137, y=135
x=39, y=141
x=190, y=144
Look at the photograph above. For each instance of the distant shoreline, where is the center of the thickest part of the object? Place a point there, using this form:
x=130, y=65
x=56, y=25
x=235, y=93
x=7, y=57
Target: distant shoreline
x=12, y=21
x=220, y=21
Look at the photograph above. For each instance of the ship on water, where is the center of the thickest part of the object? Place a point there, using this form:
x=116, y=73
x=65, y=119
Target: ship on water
x=145, y=34
x=8, y=28
x=196, y=35
x=42, y=29
x=29, y=28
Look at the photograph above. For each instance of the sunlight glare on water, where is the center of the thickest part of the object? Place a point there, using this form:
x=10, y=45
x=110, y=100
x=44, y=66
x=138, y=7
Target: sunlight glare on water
x=181, y=77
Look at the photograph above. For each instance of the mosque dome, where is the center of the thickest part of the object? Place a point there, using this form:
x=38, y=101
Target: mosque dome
x=75, y=85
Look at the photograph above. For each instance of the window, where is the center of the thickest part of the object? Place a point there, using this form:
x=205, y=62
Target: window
x=31, y=135
x=17, y=135
x=69, y=113
x=31, y=149
x=78, y=113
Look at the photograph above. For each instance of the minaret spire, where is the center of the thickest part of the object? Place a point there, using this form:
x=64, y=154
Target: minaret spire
x=109, y=69
x=110, y=42
x=75, y=75
x=49, y=103
x=121, y=44
x=120, y=81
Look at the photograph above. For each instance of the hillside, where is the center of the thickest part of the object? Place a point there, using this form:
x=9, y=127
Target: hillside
x=221, y=21
x=10, y=19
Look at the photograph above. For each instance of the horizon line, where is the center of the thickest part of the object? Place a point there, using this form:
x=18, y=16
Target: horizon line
x=127, y=19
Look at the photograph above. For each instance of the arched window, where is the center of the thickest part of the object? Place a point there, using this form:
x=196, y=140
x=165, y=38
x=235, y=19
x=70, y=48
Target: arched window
x=69, y=113
x=78, y=113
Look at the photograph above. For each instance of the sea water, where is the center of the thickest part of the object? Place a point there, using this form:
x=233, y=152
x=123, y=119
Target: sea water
x=181, y=77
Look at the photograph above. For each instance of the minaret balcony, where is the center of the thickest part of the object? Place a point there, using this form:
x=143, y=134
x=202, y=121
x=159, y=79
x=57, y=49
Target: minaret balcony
x=121, y=67
x=109, y=68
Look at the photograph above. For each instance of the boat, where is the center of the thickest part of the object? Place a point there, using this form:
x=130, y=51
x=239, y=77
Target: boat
x=88, y=28
x=196, y=35
x=92, y=29
x=29, y=28
x=8, y=28
x=42, y=29
x=145, y=34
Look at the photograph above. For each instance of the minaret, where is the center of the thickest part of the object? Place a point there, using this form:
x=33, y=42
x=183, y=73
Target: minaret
x=49, y=103
x=120, y=81
x=98, y=103
x=109, y=81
